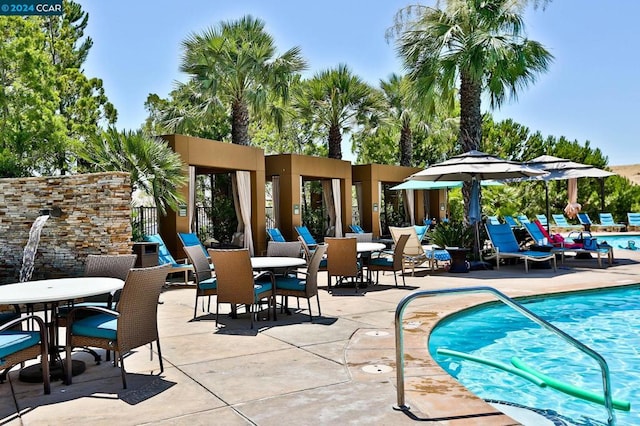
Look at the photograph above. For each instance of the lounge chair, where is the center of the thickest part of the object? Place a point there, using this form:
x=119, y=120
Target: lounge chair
x=275, y=235
x=634, y=222
x=555, y=240
x=542, y=219
x=304, y=232
x=191, y=239
x=561, y=222
x=606, y=220
x=165, y=258
x=421, y=232
x=509, y=220
x=356, y=229
x=523, y=219
x=586, y=222
x=574, y=243
x=414, y=254
x=493, y=220
x=506, y=246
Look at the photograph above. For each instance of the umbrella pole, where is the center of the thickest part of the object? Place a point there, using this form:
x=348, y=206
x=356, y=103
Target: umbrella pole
x=546, y=193
x=601, y=194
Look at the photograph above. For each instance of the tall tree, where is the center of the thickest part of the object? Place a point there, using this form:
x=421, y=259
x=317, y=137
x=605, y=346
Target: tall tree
x=478, y=46
x=236, y=64
x=336, y=101
x=82, y=103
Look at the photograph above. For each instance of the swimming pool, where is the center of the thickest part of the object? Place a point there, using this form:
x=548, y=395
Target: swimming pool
x=605, y=320
x=621, y=240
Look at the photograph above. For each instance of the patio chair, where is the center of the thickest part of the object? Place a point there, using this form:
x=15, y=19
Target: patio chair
x=414, y=254
x=191, y=239
x=606, y=220
x=506, y=246
x=133, y=323
x=165, y=258
x=286, y=249
x=342, y=260
x=555, y=240
x=523, y=219
x=18, y=346
x=561, y=222
x=509, y=220
x=275, y=235
x=364, y=237
x=237, y=284
x=8, y=313
x=634, y=222
x=306, y=287
x=393, y=264
x=99, y=265
x=206, y=285
x=304, y=232
x=493, y=220
x=356, y=229
x=308, y=253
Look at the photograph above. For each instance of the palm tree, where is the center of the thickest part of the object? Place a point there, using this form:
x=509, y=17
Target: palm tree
x=474, y=46
x=236, y=64
x=404, y=111
x=336, y=101
x=154, y=167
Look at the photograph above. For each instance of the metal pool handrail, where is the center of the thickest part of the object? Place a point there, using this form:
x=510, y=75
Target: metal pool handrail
x=606, y=380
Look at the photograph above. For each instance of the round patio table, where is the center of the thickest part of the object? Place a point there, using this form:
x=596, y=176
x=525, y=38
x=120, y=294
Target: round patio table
x=51, y=292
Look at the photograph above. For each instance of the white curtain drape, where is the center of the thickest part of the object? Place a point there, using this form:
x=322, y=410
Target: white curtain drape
x=330, y=207
x=191, y=207
x=358, y=186
x=409, y=199
x=244, y=196
x=335, y=186
x=275, y=199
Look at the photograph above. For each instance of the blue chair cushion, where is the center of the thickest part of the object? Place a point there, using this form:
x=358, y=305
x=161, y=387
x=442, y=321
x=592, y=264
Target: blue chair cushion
x=290, y=283
x=440, y=255
x=164, y=256
x=191, y=239
x=103, y=326
x=12, y=341
x=208, y=284
x=261, y=288
x=276, y=235
x=381, y=261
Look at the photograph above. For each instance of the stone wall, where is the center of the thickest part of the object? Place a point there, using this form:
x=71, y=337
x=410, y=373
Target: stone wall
x=95, y=219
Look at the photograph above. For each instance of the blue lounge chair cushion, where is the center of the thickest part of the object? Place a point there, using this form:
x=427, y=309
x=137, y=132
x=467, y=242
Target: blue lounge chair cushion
x=102, y=326
x=511, y=221
x=290, y=283
x=634, y=219
x=440, y=255
x=357, y=229
x=421, y=231
x=584, y=219
x=607, y=220
x=303, y=231
x=12, y=341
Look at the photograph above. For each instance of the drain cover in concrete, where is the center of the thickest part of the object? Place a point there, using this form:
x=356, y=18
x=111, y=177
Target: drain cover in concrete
x=376, y=333
x=412, y=324
x=377, y=369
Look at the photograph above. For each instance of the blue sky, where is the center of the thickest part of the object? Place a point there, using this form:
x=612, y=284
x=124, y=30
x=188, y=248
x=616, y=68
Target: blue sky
x=591, y=92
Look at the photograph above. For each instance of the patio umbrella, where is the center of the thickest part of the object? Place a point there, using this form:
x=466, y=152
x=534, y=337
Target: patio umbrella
x=475, y=166
x=564, y=169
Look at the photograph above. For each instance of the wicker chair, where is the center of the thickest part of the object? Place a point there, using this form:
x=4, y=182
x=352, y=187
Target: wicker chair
x=206, y=284
x=112, y=266
x=308, y=287
x=286, y=249
x=14, y=350
x=393, y=264
x=308, y=253
x=342, y=260
x=236, y=282
x=134, y=322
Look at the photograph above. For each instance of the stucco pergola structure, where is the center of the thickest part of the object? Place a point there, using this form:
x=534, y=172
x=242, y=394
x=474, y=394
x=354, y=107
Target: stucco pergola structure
x=293, y=169
x=210, y=157
x=371, y=176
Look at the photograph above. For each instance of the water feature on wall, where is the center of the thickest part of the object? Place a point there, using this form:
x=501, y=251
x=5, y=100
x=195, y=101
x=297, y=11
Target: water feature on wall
x=31, y=248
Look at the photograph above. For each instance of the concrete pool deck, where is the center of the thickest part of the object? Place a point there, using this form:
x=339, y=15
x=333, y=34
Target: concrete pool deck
x=340, y=369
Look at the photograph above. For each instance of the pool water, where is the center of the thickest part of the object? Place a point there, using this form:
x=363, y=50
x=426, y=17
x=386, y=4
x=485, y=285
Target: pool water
x=607, y=321
x=622, y=241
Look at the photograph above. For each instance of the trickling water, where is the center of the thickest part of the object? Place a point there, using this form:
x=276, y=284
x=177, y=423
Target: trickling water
x=30, y=249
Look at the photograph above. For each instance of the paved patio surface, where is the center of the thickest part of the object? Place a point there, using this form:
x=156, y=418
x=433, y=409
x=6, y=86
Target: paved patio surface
x=338, y=370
